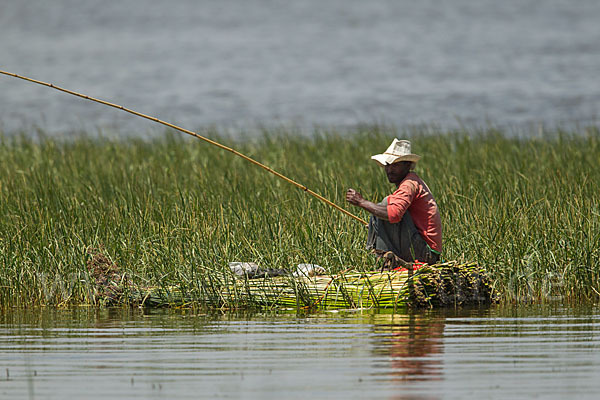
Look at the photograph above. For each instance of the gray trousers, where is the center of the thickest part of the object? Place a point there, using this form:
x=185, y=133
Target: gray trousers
x=403, y=239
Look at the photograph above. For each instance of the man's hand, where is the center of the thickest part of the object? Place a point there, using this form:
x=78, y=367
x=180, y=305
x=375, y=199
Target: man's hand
x=378, y=210
x=353, y=197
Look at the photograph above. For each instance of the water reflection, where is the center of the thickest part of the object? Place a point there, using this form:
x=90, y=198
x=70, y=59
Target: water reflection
x=413, y=344
x=129, y=354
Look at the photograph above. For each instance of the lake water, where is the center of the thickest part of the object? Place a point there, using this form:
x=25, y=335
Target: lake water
x=525, y=352
x=237, y=63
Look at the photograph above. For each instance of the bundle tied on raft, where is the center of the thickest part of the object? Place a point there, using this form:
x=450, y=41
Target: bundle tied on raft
x=446, y=284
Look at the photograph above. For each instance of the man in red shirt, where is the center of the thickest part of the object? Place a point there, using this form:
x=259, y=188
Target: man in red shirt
x=407, y=222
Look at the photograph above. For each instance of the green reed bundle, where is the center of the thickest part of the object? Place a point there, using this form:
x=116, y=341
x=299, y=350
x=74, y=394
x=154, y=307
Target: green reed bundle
x=446, y=284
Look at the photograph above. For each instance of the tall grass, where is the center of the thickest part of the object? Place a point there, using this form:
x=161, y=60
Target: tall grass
x=174, y=211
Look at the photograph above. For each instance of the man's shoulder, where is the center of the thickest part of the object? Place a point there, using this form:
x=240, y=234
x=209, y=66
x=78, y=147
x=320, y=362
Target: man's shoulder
x=412, y=180
x=413, y=183
x=410, y=183
x=413, y=176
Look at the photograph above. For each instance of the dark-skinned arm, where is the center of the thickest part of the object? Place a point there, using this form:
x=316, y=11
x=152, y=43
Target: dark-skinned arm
x=378, y=210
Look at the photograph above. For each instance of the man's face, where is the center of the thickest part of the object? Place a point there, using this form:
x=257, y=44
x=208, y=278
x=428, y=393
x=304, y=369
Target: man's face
x=397, y=171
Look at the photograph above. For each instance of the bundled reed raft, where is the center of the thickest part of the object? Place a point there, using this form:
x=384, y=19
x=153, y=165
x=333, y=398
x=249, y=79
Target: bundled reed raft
x=441, y=285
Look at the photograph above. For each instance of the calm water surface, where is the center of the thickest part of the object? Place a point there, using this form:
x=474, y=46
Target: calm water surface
x=237, y=63
x=496, y=353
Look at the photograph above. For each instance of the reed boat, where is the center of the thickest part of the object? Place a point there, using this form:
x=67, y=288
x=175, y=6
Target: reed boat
x=446, y=284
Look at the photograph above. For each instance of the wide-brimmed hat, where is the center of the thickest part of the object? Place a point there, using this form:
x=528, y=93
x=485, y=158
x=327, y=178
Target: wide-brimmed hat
x=399, y=150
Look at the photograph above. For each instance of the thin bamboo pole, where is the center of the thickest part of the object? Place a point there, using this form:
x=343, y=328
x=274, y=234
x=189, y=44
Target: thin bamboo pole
x=194, y=134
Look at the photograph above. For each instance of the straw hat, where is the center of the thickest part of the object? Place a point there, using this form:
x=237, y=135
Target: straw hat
x=399, y=150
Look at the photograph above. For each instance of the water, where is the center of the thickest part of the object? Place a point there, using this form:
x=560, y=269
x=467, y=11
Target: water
x=237, y=64
x=526, y=352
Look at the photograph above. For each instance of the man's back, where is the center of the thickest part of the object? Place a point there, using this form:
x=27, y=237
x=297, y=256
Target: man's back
x=414, y=196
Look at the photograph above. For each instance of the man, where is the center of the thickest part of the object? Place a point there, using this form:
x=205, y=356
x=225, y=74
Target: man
x=407, y=222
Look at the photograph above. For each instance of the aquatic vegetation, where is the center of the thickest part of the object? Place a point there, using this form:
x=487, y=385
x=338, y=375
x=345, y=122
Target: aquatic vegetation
x=173, y=211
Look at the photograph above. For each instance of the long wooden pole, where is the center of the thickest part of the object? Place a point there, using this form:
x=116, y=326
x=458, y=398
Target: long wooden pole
x=237, y=153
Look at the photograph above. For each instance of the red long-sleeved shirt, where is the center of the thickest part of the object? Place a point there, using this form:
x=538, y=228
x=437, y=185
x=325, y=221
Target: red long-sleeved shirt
x=414, y=195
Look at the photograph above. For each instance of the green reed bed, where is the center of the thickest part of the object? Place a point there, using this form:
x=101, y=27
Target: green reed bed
x=174, y=211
